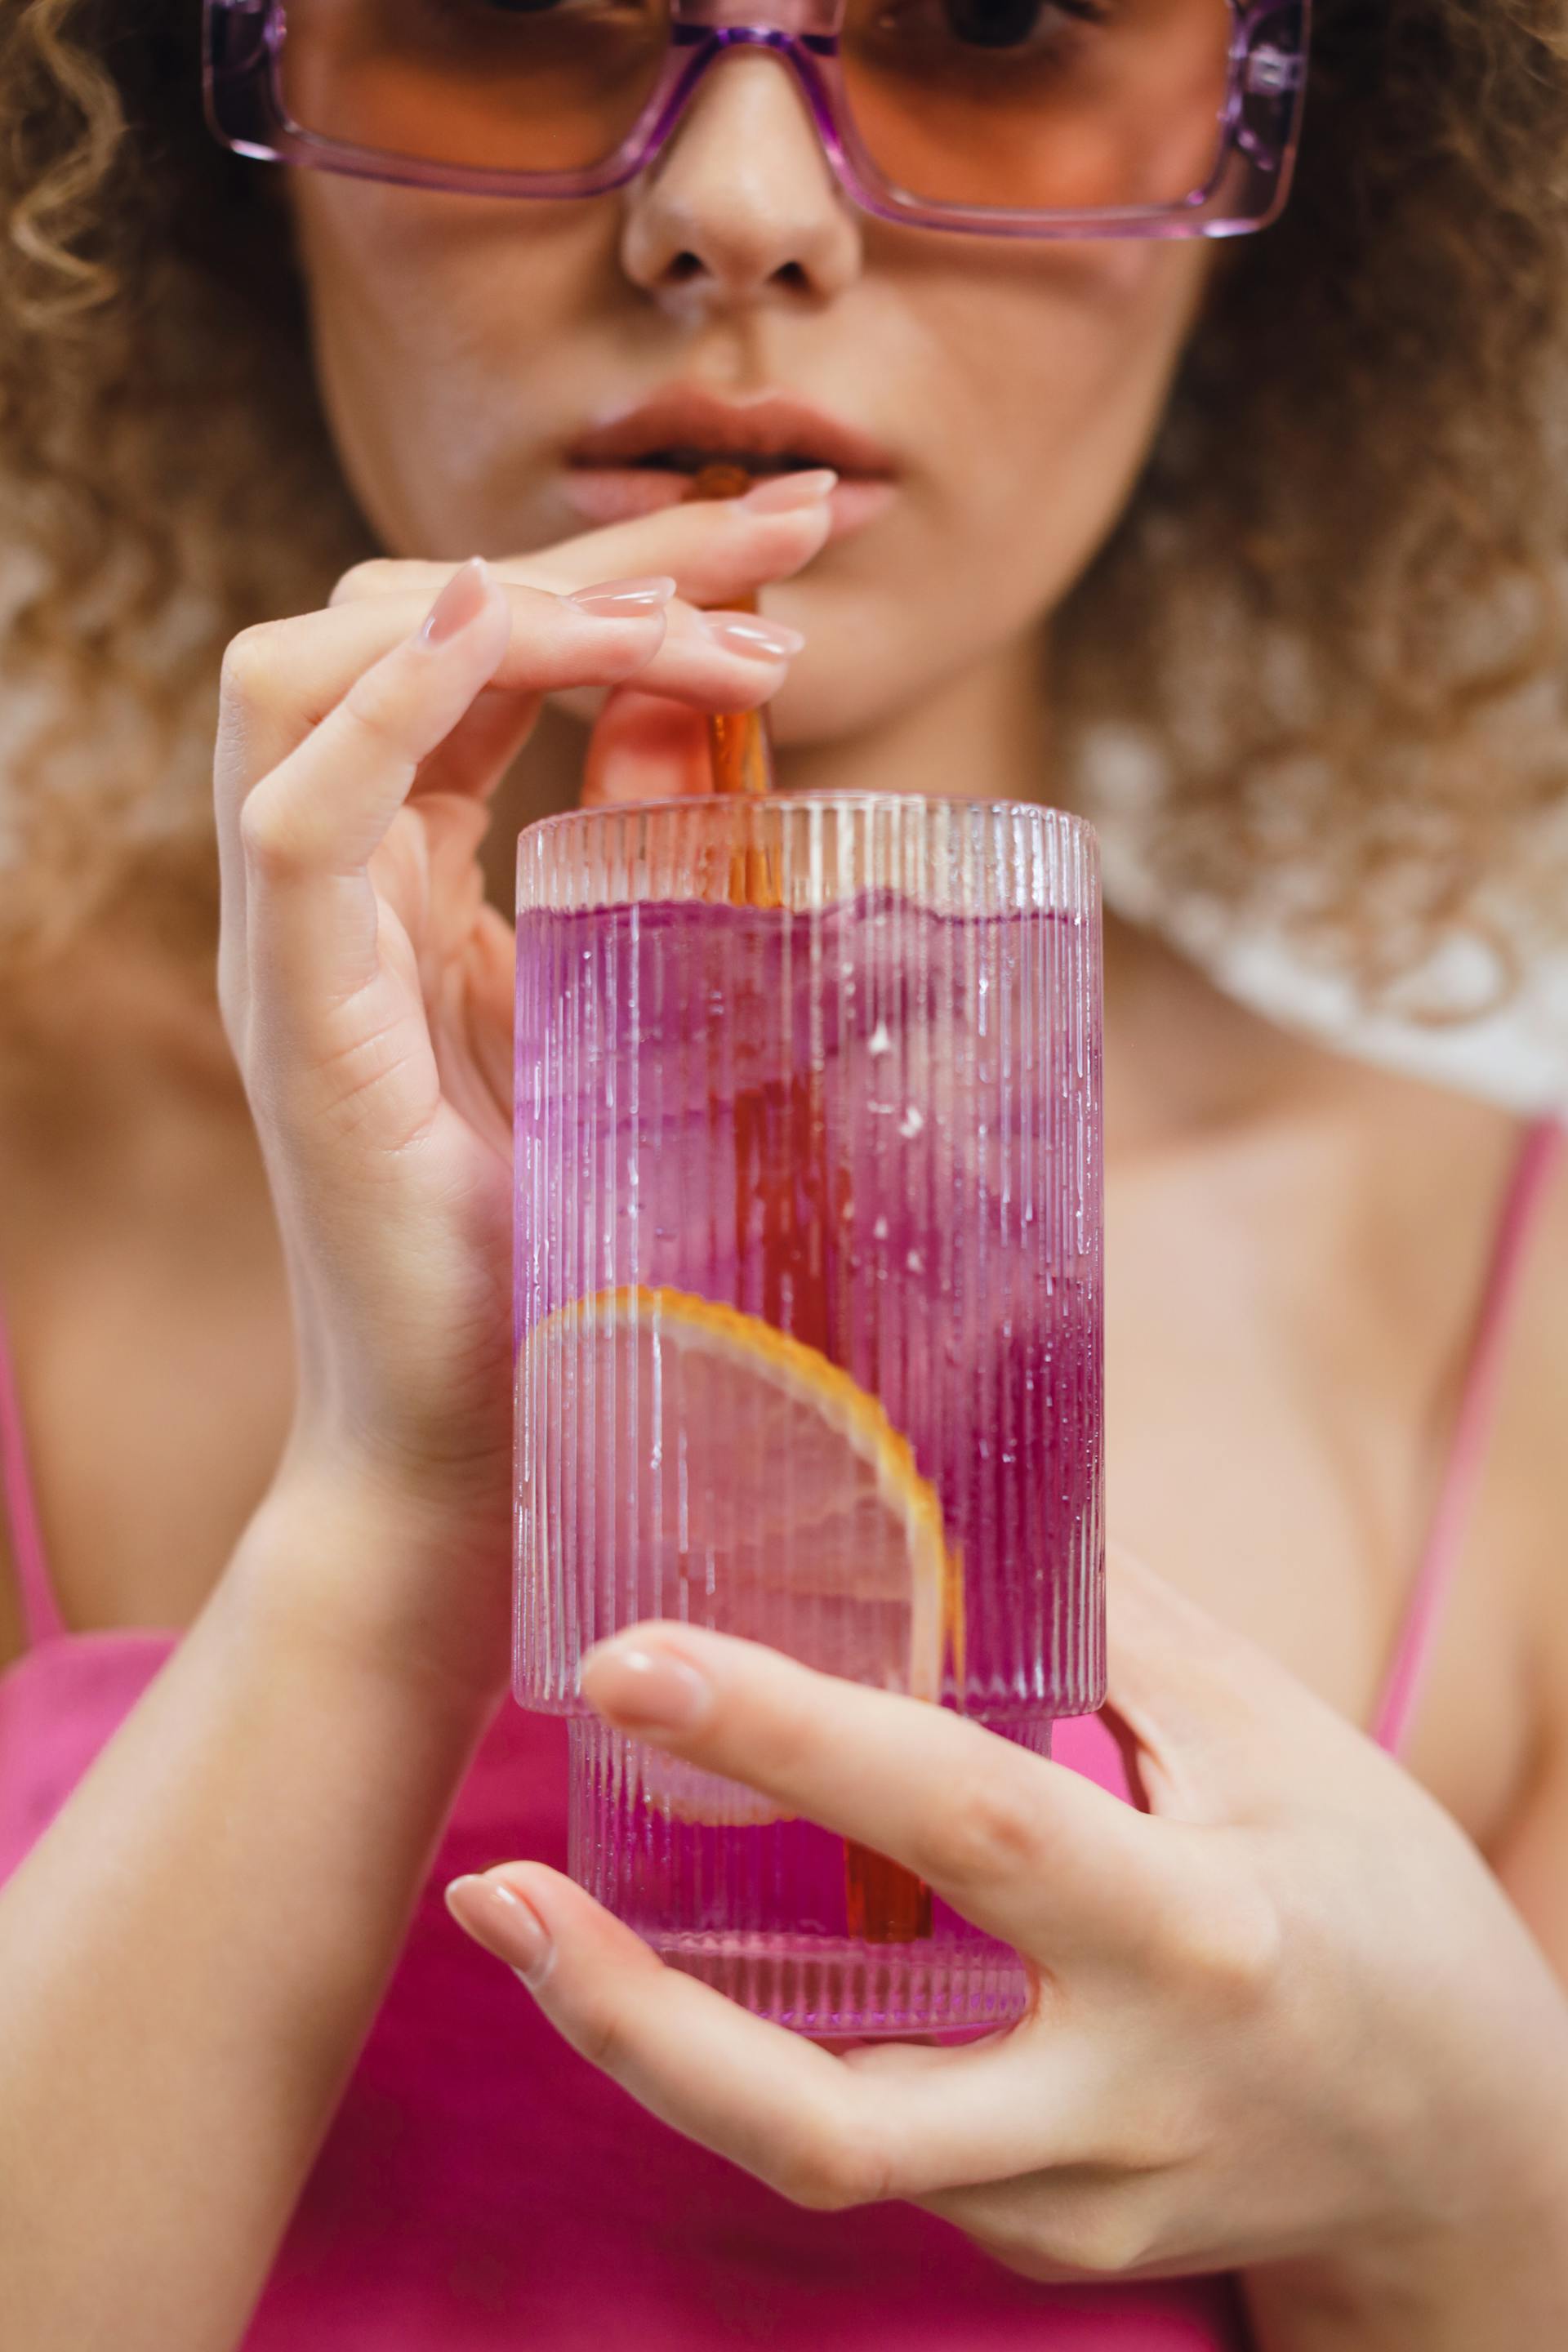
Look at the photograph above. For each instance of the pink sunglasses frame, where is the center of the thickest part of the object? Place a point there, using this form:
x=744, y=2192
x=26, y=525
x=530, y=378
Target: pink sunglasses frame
x=1259, y=127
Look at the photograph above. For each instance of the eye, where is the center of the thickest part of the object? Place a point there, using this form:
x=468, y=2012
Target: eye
x=1027, y=27
x=596, y=10
x=580, y=17
x=999, y=24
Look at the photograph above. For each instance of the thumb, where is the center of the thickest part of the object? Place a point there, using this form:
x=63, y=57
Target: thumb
x=645, y=748
x=1211, y=1727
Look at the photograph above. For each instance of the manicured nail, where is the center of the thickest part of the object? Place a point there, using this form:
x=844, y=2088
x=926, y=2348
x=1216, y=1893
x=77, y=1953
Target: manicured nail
x=739, y=633
x=624, y=600
x=783, y=493
x=462, y=600
x=496, y=1916
x=644, y=1690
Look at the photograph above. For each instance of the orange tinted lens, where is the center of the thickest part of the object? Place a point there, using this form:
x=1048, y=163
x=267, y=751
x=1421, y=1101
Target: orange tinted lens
x=1040, y=105
x=492, y=85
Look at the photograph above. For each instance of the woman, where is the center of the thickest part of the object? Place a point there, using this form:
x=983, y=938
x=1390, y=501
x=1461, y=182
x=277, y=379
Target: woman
x=1289, y=512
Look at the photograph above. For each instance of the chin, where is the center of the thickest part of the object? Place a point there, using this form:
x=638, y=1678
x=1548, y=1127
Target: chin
x=828, y=702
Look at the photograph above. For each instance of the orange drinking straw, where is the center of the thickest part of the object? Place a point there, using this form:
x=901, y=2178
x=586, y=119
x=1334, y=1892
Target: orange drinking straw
x=884, y=1903
x=743, y=755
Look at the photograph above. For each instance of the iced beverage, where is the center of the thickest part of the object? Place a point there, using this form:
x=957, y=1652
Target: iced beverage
x=808, y=1328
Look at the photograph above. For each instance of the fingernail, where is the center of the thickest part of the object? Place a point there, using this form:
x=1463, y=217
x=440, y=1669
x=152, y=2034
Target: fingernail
x=783, y=493
x=496, y=1916
x=644, y=1690
x=738, y=633
x=462, y=600
x=624, y=600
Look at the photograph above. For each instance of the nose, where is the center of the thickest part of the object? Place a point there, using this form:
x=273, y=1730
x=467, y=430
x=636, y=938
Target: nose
x=741, y=209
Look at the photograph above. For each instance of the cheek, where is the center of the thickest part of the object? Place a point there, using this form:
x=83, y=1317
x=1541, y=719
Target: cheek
x=437, y=324
x=1061, y=426
x=1032, y=387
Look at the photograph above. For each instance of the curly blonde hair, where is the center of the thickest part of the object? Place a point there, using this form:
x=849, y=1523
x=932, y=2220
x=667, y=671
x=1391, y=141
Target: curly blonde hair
x=1332, y=615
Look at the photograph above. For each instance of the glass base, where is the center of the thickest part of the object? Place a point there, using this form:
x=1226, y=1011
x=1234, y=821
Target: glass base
x=827, y=1989
x=781, y=1915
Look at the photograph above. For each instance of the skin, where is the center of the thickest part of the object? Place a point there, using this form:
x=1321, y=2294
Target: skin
x=1289, y=1297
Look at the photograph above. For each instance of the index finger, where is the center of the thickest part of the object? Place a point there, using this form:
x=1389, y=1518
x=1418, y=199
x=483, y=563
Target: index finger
x=885, y=2121
x=1028, y=1850
x=715, y=553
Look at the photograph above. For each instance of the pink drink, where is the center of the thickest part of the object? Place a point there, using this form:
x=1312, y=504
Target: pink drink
x=866, y=1116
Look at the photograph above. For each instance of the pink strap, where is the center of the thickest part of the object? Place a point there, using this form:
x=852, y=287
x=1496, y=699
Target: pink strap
x=40, y=1612
x=1472, y=1433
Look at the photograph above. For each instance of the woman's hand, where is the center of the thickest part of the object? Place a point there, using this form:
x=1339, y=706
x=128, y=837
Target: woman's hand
x=1286, y=2021
x=367, y=987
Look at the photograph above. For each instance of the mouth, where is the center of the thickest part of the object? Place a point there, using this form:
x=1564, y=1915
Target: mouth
x=645, y=457
x=691, y=457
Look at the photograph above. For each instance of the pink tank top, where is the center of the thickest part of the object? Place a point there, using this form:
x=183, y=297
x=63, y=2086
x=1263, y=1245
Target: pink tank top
x=482, y=2187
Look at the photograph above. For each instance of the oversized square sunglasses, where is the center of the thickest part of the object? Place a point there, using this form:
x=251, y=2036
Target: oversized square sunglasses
x=1011, y=118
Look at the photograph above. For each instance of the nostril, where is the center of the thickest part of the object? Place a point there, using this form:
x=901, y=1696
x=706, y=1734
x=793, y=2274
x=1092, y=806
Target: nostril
x=683, y=268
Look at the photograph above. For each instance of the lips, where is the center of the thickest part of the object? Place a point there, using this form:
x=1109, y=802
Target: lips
x=644, y=458
x=681, y=430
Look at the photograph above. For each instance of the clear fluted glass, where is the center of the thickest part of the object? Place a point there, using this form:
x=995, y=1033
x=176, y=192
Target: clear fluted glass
x=808, y=1321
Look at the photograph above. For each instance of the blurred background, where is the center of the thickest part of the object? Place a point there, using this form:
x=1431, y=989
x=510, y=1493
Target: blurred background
x=1518, y=1056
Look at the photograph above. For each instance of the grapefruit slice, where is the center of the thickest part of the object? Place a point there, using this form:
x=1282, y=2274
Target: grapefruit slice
x=692, y=1462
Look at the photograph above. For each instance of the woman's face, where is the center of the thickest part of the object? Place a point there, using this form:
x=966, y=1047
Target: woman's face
x=988, y=403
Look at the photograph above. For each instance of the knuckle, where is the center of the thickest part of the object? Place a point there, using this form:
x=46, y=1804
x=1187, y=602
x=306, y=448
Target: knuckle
x=1148, y=2126
x=792, y=1735
x=1226, y=1944
x=828, y=2171
x=989, y=1826
x=1104, y=2233
x=601, y=2040
x=376, y=712
x=377, y=575
x=248, y=663
x=270, y=836
x=771, y=1727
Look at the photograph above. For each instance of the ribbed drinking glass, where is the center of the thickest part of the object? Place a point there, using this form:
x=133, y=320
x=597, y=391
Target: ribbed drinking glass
x=808, y=1322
